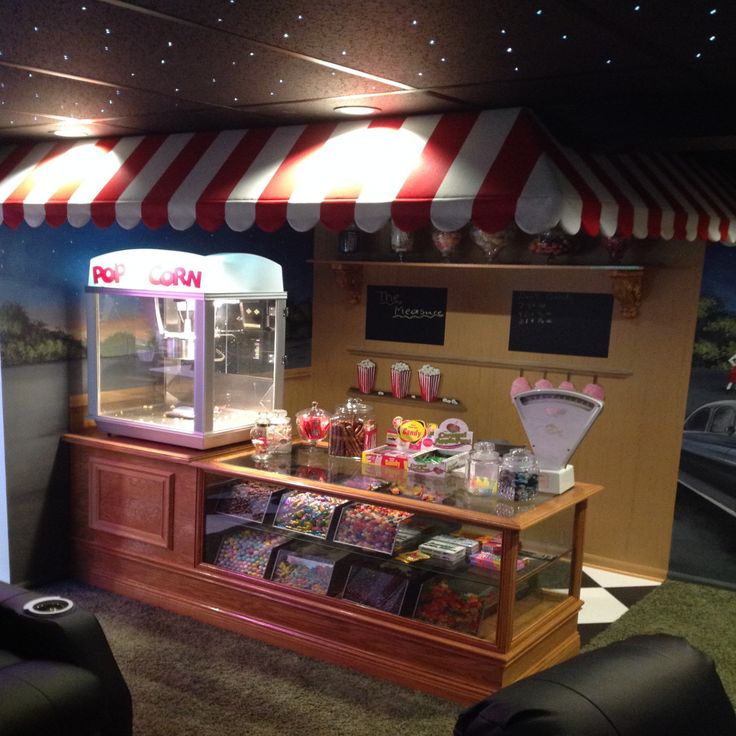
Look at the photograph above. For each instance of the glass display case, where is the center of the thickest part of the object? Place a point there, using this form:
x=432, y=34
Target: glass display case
x=182, y=348
x=426, y=550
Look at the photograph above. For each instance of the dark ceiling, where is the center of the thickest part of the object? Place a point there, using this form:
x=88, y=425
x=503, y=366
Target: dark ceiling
x=600, y=73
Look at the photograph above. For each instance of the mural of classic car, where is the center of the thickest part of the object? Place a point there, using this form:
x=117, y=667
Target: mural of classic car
x=708, y=455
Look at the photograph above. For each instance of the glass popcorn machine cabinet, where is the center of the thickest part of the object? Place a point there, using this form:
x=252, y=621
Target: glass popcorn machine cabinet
x=182, y=348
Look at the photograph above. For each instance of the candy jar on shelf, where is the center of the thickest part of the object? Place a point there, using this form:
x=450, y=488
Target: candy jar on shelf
x=551, y=243
x=402, y=242
x=446, y=242
x=490, y=243
x=259, y=436
x=518, y=476
x=483, y=472
x=616, y=246
x=279, y=432
x=352, y=429
x=313, y=424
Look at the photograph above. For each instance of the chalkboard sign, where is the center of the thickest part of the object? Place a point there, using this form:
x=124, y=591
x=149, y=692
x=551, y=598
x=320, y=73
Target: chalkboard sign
x=561, y=323
x=406, y=314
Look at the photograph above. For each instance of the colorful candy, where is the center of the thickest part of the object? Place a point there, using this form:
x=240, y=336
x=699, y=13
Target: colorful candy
x=444, y=604
x=370, y=527
x=247, y=500
x=247, y=551
x=307, y=513
x=303, y=574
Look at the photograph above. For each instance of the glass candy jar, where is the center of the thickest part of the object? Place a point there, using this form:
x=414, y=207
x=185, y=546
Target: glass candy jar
x=484, y=467
x=352, y=429
x=313, y=424
x=279, y=432
x=259, y=436
x=518, y=476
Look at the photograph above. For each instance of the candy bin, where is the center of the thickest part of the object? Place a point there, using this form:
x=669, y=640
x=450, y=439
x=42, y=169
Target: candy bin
x=248, y=551
x=352, y=429
x=307, y=513
x=313, y=424
x=248, y=500
x=387, y=586
x=309, y=567
x=370, y=527
x=455, y=603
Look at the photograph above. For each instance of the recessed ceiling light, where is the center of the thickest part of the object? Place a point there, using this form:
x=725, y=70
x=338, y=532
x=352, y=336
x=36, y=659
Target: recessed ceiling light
x=72, y=130
x=357, y=109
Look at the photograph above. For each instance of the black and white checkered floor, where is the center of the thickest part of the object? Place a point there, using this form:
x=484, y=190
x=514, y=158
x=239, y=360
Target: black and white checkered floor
x=606, y=597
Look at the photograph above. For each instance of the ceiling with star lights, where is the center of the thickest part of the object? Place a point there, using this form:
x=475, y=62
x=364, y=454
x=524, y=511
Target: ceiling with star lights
x=610, y=74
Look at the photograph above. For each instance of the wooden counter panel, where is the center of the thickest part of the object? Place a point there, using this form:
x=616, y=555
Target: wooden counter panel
x=394, y=648
x=138, y=505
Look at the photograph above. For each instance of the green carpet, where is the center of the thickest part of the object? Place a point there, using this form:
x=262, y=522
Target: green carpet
x=188, y=678
x=703, y=615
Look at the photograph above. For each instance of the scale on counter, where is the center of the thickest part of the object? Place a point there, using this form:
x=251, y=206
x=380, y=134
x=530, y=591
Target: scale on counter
x=555, y=421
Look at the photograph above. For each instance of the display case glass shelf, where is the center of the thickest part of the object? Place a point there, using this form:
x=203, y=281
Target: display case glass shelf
x=421, y=548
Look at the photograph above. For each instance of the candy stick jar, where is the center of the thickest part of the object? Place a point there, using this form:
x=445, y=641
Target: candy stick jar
x=352, y=429
x=313, y=424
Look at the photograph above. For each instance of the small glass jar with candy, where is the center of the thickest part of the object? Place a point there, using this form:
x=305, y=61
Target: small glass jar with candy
x=313, y=424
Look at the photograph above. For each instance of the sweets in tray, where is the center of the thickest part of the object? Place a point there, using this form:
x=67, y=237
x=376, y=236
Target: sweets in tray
x=387, y=586
x=455, y=603
x=248, y=551
x=372, y=527
x=249, y=500
x=308, y=513
x=310, y=567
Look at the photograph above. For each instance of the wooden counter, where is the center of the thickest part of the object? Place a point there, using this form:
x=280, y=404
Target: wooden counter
x=141, y=518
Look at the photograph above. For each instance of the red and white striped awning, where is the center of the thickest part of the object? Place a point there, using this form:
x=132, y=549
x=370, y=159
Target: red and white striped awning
x=491, y=168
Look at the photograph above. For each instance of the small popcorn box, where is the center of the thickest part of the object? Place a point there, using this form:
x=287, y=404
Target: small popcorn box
x=400, y=379
x=366, y=376
x=429, y=385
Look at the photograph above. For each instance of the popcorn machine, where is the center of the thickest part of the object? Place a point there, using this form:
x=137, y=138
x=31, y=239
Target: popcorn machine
x=182, y=348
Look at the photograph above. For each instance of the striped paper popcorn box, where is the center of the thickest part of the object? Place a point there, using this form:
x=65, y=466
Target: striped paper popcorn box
x=366, y=376
x=429, y=382
x=400, y=379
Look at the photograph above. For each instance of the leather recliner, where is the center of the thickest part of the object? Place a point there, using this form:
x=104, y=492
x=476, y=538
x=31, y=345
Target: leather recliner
x=57, y=672
x=644, y=685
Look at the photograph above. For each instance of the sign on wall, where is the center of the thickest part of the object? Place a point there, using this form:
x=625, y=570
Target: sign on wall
x=406, y=314
x=561, y=323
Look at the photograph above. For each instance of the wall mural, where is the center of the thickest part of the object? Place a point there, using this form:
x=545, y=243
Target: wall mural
x=43, y=273
x=704, y=534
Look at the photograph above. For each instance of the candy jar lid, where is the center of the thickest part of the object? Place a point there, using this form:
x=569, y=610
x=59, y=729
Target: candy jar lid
x=485, y=449
x=520, y=459
x=354, y=407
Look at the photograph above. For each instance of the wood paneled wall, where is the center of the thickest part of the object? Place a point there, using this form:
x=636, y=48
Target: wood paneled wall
x=632, y=450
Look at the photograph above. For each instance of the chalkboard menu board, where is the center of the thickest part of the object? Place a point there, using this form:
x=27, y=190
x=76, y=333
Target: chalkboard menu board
x=561, y=323
x=406, y=314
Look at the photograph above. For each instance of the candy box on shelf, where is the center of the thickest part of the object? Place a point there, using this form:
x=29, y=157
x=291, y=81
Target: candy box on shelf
x=248, y=551
x=307, y=513
x=247, y=500
x=384, y=456
x=469, y=545
x=387, y=586
x=491, y=561
x=455, y=603
x=447, y=553
x=453, y=436
x=372, y=527
x=437, y=462
x=310, y=567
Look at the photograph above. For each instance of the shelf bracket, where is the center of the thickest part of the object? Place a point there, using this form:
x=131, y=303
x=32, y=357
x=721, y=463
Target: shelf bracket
x=350, y=278
x=627, y=291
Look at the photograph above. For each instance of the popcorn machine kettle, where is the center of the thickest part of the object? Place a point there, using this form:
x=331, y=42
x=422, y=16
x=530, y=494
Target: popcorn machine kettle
x=183, y=348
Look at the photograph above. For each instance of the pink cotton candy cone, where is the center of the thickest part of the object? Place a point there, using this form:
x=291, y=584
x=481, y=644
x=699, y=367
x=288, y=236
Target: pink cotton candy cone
x=518, y=385
x=595, y=390
x=567, y=386
x=543, y=383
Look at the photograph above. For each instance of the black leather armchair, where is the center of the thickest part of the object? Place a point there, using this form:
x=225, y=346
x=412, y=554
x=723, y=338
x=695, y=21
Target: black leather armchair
x=642, y=686
x=57, y=672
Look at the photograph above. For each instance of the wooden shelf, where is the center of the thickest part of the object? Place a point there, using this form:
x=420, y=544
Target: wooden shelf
x=626, y=281
x=452, y=405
